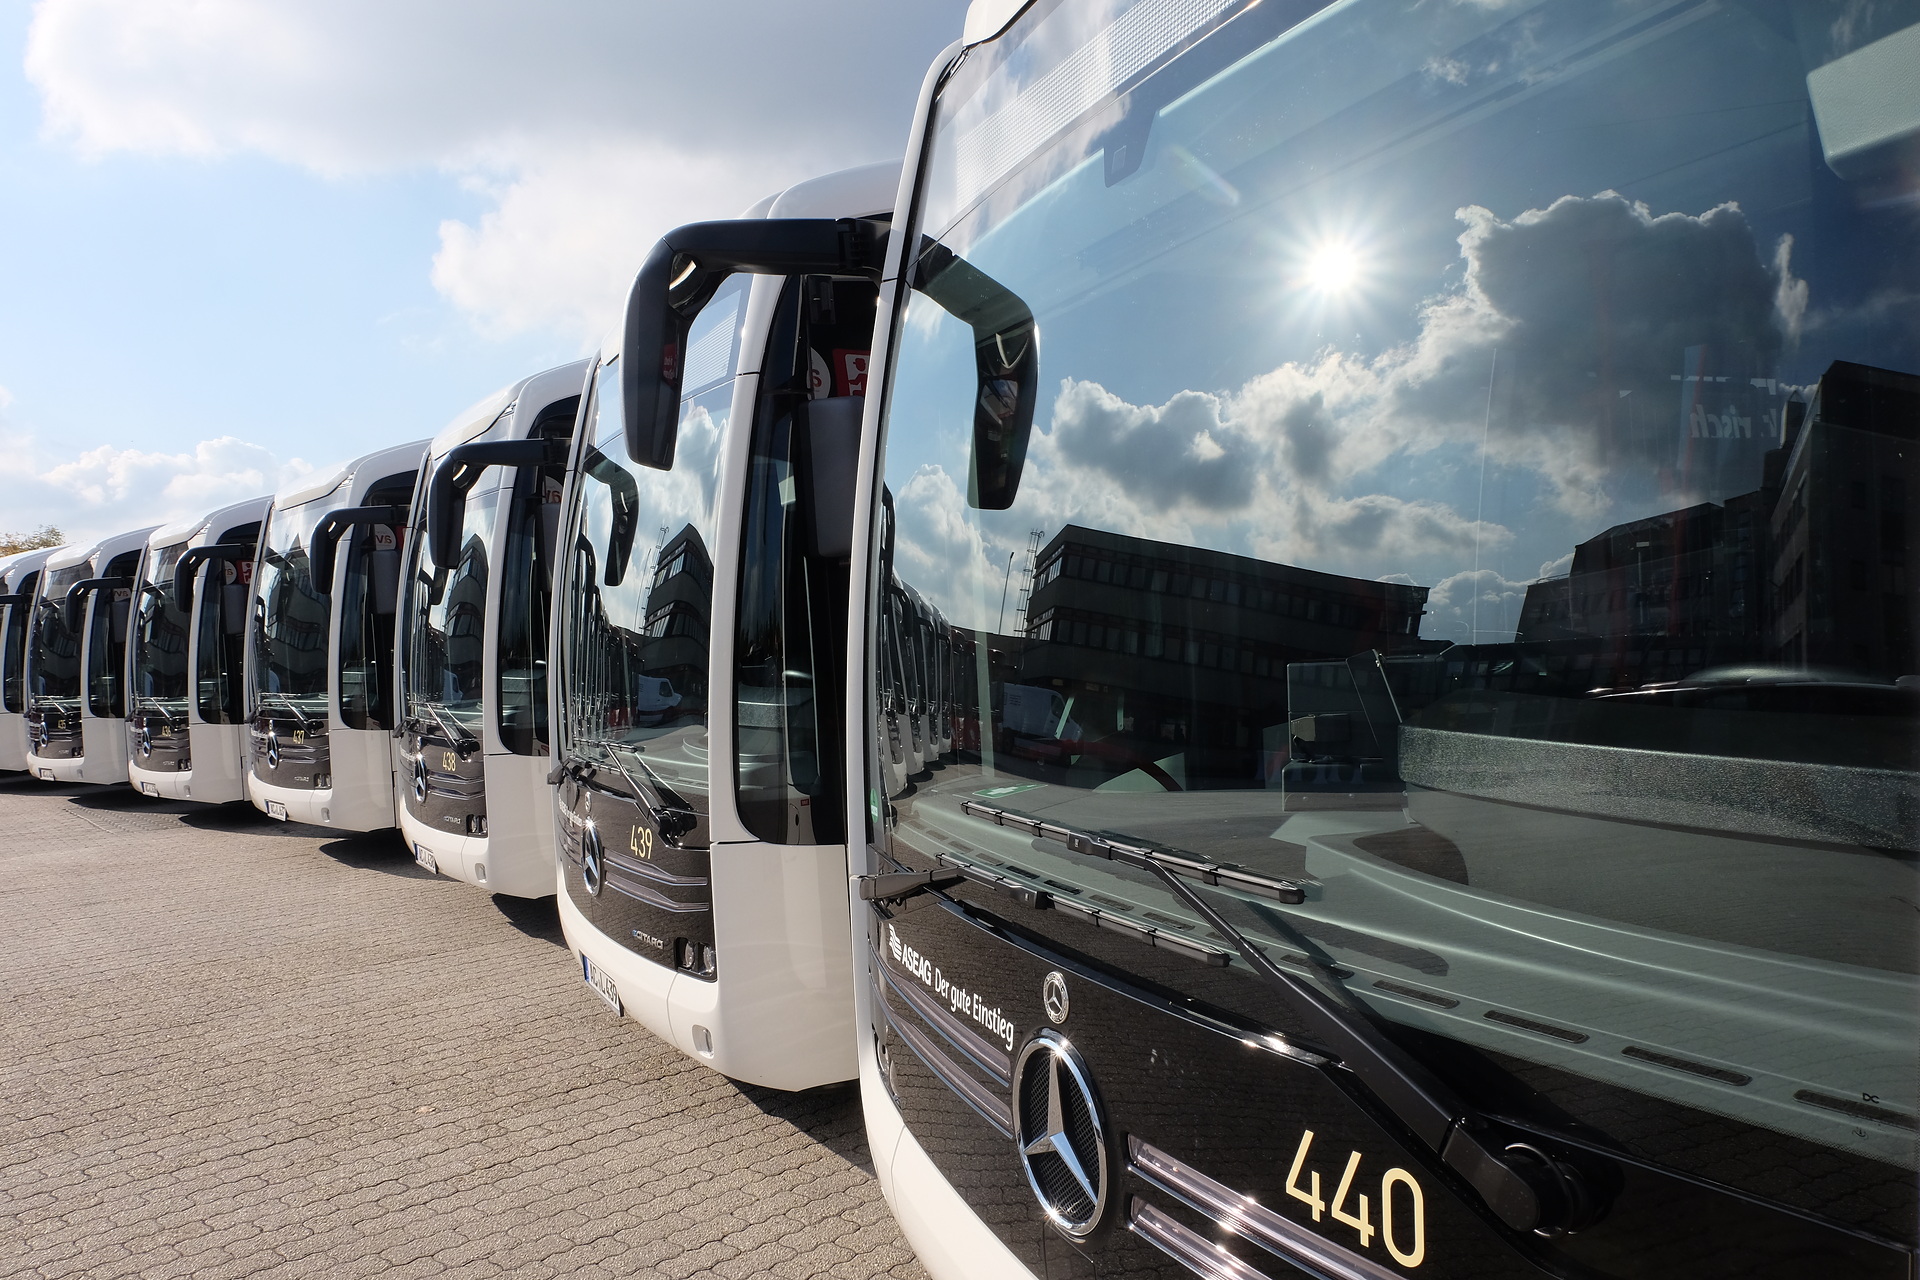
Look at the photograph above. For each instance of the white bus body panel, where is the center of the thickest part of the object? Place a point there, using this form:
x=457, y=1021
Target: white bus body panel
x=103, y=742
x=780, y=1011
x=516, y=856
x=360, y=796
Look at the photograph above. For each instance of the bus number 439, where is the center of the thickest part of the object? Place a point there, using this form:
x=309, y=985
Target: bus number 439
x=1403, y=1208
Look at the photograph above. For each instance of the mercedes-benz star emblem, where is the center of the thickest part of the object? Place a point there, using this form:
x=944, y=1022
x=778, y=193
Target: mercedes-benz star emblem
x=420, y=779
x=1053, y=997
x=273, y=748
x=1061, y=1136
x=146, y=739
x=591, y=873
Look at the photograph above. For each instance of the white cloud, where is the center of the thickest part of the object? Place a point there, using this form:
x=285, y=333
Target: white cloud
x=559, y=248
x=108, y=489
x=580, y=119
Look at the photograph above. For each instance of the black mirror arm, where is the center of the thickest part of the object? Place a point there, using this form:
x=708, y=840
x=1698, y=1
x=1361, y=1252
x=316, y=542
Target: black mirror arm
x=79, y=591
x=326, y=537
x=460, y=470
x=191, y=560
x=6, y=600
x=678, y=277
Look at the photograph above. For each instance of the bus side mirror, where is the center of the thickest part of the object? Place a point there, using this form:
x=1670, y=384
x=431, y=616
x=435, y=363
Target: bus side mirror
x=681, y=274
x=827, y=461
x=1006, y=360
x=456, y=475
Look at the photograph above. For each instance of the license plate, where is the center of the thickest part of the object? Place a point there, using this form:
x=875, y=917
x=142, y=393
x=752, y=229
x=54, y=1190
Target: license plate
x=46, y=775
x=149, y=788
x=276, y=811
x=602, y=985
x=426, y=859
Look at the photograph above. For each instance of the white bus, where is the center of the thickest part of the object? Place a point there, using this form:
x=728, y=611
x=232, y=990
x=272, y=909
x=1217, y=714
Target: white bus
x=1455, y=465
x=77, y=661
x=187, y=722
x=472, y=645
x=320, y=645
x=19, y=575
x=699, y=628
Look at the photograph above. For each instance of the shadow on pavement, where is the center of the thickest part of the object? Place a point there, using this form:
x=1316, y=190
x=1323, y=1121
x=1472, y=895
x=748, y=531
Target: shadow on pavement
x=535, y=917
x=237, y=815
x=830, y=1115
x=382, y=851
x=24, y=783
x=112, y=798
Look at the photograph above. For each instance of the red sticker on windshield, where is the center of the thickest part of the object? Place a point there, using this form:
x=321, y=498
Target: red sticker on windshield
x=849, y=372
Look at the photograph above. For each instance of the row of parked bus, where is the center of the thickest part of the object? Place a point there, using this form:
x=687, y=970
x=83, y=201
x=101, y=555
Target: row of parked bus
x=1294, y=644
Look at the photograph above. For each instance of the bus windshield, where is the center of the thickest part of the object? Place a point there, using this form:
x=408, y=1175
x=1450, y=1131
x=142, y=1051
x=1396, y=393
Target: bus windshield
x=1473, y=474
x=639, y=569
x=445, y=667
x=55, y=645
x=160, y=632
x=13, y=659
x=290, y=619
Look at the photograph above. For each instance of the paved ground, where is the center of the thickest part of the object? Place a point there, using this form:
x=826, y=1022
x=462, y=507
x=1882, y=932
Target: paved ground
x=232, y=1048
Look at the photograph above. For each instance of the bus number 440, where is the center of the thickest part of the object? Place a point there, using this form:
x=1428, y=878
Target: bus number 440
x=1404, y=1235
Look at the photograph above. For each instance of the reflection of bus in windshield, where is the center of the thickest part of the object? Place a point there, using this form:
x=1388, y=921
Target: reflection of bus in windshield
x=76, y=661
x=472, y=647
x=19, y=580
x=186, y=657
x=320, y=645
x=1445, y=805
x=700, y=645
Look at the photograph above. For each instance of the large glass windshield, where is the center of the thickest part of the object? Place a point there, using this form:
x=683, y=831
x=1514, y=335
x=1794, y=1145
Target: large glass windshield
x=160, y=635
x=290, y=619
x=13, y=664
x=370, y=608
x=640, y=575
x=1473, y=473
x=446, y=635
x=56, y=646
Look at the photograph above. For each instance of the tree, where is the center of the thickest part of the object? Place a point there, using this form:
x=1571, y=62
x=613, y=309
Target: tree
x=45, y=536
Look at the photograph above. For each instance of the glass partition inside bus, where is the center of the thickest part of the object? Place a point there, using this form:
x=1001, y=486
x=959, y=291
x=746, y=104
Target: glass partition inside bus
x=526, y=590
x=160, y=638
x=369, y=609
x=1474, y=475
x=111, y=608
x=220, y=607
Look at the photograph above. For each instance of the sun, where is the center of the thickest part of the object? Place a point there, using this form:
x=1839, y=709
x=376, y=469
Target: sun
x=1332, y=269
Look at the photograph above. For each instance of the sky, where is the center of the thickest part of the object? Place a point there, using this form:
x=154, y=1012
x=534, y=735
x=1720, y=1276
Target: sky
x=245, y=239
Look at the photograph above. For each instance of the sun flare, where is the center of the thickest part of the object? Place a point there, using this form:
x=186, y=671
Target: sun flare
x=1332, y=269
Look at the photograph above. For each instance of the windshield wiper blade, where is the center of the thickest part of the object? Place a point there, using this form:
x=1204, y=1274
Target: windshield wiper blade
x=1524, y=1188
x=673, y=815
x=462, y=737
x=290, y=705
x=1225, y=874
x=154, y=704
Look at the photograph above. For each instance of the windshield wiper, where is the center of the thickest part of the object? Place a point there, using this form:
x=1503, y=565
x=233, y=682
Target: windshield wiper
x=154, y=704
x=1523, y=1187
x=463, y=738
x=290, y=705
x=672, y=814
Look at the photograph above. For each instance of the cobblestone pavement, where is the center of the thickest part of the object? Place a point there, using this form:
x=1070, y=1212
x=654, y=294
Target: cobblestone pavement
x=232, y=1048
